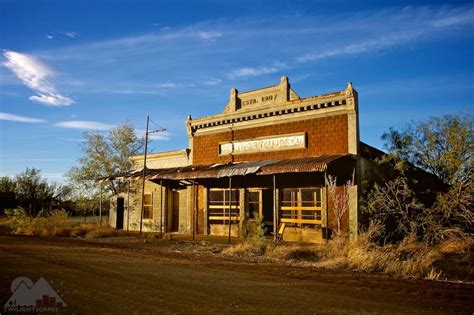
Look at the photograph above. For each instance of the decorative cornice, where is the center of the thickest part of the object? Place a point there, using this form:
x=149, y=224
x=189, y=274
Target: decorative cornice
x=296, y=106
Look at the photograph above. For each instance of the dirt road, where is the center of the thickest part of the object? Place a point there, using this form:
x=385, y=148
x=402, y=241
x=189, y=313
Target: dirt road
x=106, y=277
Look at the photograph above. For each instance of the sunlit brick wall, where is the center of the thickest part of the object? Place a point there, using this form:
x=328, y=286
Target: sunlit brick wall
x=326, y=135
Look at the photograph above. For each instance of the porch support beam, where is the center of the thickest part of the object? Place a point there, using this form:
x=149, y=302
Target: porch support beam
x=275, y=210
x=230, y=207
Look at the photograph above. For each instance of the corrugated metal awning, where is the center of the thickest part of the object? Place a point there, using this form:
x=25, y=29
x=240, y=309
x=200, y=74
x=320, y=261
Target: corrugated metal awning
x=299, y=165
x=264, y=167
x=243, y=169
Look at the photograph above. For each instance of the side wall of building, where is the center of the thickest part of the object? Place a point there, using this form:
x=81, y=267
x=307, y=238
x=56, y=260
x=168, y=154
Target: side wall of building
x=161, y=207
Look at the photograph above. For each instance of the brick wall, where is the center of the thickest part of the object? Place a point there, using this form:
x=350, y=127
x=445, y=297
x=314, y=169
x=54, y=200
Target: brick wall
x=325, y=135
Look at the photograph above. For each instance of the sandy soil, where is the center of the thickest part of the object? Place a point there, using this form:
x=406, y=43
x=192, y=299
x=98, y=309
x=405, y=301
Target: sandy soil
x=128, y=275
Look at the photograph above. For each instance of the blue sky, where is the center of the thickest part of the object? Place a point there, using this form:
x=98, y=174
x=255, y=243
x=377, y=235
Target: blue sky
x=70, y=66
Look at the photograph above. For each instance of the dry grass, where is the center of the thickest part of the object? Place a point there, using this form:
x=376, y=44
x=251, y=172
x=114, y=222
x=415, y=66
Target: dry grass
x=408, y=259
x=295, y=252
x=245, y=249
x=101, y=232
x=456, y=245
x=56, y=223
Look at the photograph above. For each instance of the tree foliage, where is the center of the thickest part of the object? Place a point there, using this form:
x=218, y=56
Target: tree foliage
x=7, y=184
x=35, y=193
x=443, y=147
x=106, y=155
x=440, y=145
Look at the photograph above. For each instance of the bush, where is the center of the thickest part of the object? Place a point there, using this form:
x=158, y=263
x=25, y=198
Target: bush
x=49, y=224
x=255, y=243
x=19, y=219
x=408, y=259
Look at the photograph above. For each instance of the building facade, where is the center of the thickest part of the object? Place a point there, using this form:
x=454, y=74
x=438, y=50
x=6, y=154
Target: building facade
x=264, y=159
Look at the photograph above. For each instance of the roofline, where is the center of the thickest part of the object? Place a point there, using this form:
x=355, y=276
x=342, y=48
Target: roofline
x=338, y=95
x=184, y=152
x=259, y=89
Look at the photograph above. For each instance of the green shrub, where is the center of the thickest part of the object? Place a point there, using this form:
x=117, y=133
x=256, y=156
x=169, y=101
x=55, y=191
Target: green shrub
x=45, y=224
x=256, y=234
x=19, y=219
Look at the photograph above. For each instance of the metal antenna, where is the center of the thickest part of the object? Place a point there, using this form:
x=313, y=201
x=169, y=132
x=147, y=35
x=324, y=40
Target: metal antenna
x=147, y=132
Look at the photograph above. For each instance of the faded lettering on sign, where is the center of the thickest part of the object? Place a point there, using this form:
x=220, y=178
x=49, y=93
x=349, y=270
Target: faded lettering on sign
x=295, y=141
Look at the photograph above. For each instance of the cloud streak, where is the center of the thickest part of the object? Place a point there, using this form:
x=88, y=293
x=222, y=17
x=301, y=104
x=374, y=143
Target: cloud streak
x=256, y=71
x=67, y=34
x=19, y=118
x=84, y=125
x=248, y=49
x=35, y=75
x=161, y=136
x=404, y=27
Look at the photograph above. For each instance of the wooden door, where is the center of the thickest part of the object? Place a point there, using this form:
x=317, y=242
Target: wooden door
x=119, y=213
x=175, y=216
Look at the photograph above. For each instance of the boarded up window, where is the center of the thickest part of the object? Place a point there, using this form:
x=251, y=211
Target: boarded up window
x=301, y=207
x=219, y=204
x=147, y=207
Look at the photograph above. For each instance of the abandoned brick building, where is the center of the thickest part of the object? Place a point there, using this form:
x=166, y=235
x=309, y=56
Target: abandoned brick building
x=265, y=157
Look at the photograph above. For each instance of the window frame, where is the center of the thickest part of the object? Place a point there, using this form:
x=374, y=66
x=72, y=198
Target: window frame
x=295, y=210
x=218, y=211
x=259, y=203
x=148, y=207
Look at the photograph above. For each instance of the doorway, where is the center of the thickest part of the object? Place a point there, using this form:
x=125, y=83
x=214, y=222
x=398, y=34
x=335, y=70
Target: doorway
x=119, y=214
x=260, y=204
x=175, y=211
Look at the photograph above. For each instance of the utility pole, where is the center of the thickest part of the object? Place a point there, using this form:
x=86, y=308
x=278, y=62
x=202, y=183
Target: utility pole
x=147, y=132
x=100, y=205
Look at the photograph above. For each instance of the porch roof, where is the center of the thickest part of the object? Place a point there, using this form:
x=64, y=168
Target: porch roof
x=263, y=167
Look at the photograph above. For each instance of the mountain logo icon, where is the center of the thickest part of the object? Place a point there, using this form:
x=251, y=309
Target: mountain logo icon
x=29, y=297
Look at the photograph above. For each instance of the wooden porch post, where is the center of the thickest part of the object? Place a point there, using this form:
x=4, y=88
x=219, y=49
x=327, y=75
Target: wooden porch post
x=275, y=211
x=100, y=205
x=128, y=206
x=161, y=208
x=230, y=207
x=193, y=204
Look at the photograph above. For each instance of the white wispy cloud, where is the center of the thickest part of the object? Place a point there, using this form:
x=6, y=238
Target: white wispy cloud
x=161, y=136
x=183, y=56
x=36, y=75
x=256, y=71
x=168, y=85
x=395, y=29
x=209, y=35
x=70, y=34
x=65, y=34
x=84, y=124
x=19, y=118
x=369, y=45
x=211, y=82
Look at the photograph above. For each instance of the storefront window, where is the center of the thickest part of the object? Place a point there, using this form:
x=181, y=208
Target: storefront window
x=301, y=207
x=219, y=204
